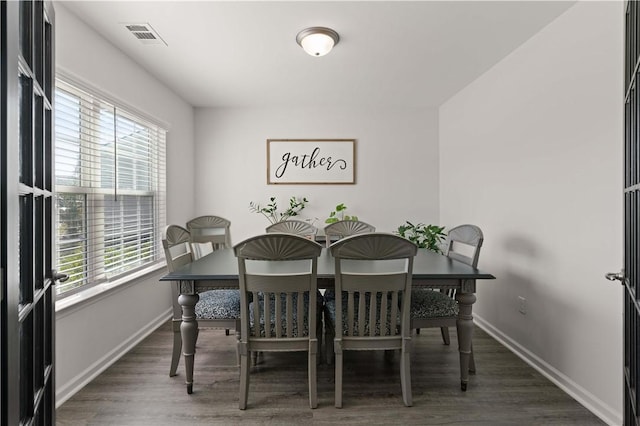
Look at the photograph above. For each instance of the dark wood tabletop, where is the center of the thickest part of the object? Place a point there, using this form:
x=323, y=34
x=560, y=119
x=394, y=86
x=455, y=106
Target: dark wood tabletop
x=223, y=265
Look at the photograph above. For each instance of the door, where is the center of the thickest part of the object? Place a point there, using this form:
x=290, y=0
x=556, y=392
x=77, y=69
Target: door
x=26, y=205
x=630, y=274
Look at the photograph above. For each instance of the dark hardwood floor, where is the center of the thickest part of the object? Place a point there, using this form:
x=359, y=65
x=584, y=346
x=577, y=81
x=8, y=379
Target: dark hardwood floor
x=138, y=391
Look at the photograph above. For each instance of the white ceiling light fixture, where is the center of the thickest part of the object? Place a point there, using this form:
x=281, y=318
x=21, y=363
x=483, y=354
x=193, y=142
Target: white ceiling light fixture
x=317, y=41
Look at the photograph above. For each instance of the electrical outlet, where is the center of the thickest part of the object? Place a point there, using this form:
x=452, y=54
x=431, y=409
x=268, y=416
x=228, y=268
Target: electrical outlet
x=522, y=305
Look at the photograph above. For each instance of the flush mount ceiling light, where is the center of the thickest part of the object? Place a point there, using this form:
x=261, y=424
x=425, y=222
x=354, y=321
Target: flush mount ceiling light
x=317, y=41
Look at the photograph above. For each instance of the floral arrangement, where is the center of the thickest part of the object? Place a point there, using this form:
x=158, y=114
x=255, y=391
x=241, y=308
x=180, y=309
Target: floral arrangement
x=270, y=210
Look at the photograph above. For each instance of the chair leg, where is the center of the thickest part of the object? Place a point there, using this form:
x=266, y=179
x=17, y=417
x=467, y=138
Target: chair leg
x=238, y=336
x=313, y=378
x=328, y=338
x=319, y=335
x=176, y=354
x=445, y=335
x=244, y=380
x=328, y=341
x=405, y=376
x=338, y=379
x=238, y=348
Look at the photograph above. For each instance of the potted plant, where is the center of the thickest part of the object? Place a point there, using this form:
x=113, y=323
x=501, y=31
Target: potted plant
x=424, y=236
x=270, y=210
x=338, y=214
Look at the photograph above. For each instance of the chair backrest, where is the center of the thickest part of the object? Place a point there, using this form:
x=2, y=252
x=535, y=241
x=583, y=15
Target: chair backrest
x=297, y=227
x=176, y=242
x=209, y=233
x=464, y=243
x=375, y=282
x=177, y=250
x=345, y=228
x=278, y=286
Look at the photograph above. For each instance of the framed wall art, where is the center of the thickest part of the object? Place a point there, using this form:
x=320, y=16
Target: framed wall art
x=311, y=161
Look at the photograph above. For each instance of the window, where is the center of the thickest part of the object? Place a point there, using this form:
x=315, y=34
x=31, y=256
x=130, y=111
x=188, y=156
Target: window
x=110, y=189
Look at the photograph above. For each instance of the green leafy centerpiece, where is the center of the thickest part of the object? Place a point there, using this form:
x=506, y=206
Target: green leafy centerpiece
x=338, y=214
x=424, y=236
x=270, y=210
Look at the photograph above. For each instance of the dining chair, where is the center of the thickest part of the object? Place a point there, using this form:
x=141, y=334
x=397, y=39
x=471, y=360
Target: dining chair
x=297, y=227
x=215, y=308
x=345, y=228
x=278, y=291
x=439, y=308
x=333, y=232
x=373, y=271
x=210, y=233
x=303, y=229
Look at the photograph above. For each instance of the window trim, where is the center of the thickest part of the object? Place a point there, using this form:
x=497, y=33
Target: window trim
x=96, y=287
x=82, y=84
x=74, y=301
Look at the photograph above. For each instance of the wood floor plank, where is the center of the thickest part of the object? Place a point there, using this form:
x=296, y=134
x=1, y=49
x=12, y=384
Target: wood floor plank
x=137, y=390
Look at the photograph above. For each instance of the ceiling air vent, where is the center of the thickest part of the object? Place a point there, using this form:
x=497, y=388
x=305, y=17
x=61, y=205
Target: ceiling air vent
x=145, y=33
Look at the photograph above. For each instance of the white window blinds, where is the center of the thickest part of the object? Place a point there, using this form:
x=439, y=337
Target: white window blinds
x=110, y=189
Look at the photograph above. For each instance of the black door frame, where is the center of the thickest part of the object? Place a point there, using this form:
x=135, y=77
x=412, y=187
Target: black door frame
x=27, y=315
x=631, y=272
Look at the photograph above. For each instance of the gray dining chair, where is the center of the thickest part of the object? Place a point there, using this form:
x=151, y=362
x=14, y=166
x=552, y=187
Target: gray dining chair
x=373, y=271
x=215, y=308
x=303, y=229
x=278, y=301
x=439, y=308
x=297, y=227
x=345, y=228
x=209, y=233
x=333, y=232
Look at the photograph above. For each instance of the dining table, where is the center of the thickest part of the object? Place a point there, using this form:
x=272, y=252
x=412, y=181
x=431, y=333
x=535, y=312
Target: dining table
x=219, y=270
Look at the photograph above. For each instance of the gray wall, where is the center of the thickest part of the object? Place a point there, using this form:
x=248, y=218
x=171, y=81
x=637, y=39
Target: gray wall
x=396, y=163
x=532, y=153
x=93, y=333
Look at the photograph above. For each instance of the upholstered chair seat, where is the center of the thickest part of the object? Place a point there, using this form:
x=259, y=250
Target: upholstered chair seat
x=432, y=304
x=218, y=304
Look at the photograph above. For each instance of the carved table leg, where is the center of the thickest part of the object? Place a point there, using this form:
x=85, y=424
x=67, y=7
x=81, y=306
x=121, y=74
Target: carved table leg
x=188, y=331
x=464, y=325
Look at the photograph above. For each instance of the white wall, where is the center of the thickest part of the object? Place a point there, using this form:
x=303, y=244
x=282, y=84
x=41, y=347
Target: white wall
x=92, y=335
x=396, y=164
x=532, y=153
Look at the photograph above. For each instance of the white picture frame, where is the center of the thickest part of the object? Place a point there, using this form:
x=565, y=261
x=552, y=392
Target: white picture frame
x=311, y=161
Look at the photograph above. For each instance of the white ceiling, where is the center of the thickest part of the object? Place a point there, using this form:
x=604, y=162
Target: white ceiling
x=391, y=53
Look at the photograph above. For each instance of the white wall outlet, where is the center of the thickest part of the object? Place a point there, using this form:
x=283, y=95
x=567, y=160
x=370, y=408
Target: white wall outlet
x=522, y=305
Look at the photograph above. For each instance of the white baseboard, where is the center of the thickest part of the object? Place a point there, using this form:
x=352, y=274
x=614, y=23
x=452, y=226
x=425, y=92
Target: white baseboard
x=604, y=411
x=67, y=390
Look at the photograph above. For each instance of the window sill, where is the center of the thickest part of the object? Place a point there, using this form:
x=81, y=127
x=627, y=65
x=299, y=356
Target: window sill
x=77, y=301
